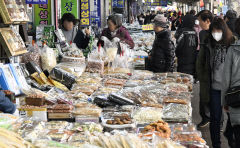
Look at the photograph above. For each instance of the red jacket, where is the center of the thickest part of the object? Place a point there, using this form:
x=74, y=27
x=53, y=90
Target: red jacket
x=122, y=34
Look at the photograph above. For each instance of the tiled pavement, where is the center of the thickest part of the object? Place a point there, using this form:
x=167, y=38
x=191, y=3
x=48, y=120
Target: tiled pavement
x=197, y=119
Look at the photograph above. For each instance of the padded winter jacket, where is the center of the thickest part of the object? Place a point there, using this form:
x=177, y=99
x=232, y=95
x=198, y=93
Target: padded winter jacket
x=186, y=51
x=231, y=78
x=163, y=53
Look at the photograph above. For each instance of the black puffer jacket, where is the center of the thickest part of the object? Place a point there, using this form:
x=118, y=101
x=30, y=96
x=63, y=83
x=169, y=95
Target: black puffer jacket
x=162, y=55
x=231, y=24
x=186, y=50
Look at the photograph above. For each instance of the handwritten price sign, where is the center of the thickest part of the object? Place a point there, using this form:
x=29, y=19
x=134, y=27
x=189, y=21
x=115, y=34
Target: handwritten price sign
x=147, y=27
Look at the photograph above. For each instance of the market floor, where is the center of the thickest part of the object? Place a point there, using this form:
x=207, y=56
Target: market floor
x=197, y=119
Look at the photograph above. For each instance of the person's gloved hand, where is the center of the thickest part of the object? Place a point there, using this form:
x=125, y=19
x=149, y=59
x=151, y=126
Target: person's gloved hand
x=116, y=40
x=104, y=38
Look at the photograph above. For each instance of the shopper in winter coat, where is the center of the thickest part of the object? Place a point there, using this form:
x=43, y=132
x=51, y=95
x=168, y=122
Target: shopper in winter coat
x=6, y=105
x=231, y=17
x=186, y=46
x=147, y=18
x=71, y=32
x=141, y=19
x=162, y=55
x=210, y=65
x=152, y=16
x=174, y=19
x=231, y=78
x=205, y=18
x=117, y=31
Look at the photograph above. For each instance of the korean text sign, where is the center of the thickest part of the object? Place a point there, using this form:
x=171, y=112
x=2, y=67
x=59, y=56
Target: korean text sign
x=69, y=6
x=85, y=13
x=42, y=14
x=118, y=3
x=157, y=2
x=96, y=14
x=147, y=27
x=36, y=1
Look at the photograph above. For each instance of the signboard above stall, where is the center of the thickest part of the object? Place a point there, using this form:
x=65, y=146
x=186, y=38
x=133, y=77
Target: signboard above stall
x=118, y=3
x=69, y=6
x=42, y=14
x=85, y=13
x=36, y=1
x=156, y=2
x=96, y=14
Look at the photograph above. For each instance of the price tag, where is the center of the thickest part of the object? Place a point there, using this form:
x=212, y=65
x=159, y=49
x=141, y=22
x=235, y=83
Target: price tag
x=147, y=27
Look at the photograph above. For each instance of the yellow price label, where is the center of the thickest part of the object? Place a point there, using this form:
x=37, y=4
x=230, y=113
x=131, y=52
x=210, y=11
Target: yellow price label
x=147, y=27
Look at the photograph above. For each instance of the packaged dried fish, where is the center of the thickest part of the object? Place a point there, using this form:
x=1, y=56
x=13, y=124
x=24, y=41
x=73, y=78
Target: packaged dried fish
x=176, y=112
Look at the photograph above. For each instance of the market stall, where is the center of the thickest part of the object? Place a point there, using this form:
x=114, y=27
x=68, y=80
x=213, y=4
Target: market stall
x=67, y=98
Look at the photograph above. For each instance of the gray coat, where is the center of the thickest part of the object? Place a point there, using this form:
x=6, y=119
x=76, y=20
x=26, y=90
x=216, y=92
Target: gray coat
x=231, y=78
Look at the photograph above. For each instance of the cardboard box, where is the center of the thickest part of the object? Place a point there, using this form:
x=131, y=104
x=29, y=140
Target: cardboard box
x=39, y=113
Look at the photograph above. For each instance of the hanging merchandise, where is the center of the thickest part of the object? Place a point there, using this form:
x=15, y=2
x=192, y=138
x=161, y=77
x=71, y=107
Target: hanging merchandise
x=69, y=6
x=12, y=42
x=45, y=34
x=13, y=11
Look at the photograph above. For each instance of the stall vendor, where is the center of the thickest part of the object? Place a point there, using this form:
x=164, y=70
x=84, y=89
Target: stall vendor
x=116, y=30
x=72, y=33
x=6, y=106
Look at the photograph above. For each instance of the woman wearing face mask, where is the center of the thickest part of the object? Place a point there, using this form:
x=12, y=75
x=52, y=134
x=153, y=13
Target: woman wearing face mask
x=211, y=60
x=116, y=32
x=162, y=54
x=231, y=78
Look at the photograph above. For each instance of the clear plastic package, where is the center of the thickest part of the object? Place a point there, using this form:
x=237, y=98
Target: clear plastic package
x=63, y=42
x=142, y=75
x=159, y=142
x=176, y=112
x=73, y=68
x=95, y=63
x=147, y=114
x=48, y=58
x=74, y=55
x=87, y=109
x=33, y=55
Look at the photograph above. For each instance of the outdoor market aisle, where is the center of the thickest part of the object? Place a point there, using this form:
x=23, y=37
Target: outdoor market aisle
x=197, y=119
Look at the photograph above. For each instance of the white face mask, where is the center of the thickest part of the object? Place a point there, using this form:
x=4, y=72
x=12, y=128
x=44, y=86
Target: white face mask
x=197, y=22
x=217, y=36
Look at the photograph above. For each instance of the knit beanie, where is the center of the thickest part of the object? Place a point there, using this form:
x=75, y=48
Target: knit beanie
x=160, y=21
